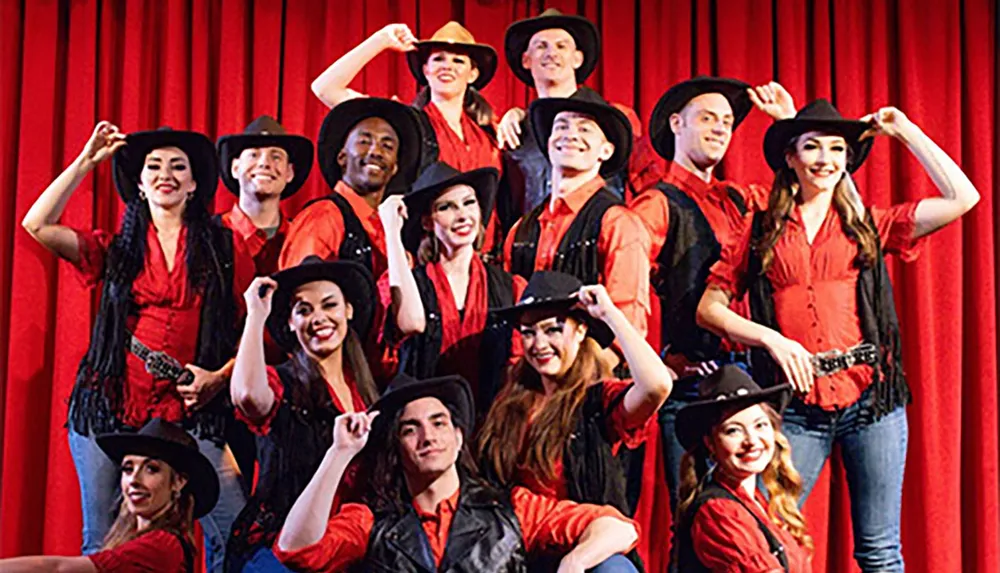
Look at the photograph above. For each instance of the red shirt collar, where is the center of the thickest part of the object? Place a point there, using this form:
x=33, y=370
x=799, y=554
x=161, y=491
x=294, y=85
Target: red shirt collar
x=241, y=223
x=447, y=505
x=361, y=207
x=577, y=198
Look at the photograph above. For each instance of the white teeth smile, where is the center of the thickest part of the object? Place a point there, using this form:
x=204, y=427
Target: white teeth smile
x=323, y=333
x=136, y=496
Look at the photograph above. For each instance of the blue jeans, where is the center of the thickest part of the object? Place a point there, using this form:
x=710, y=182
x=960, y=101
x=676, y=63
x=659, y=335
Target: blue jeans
x=874, y=455
x=615, y=564
x=263, y=561
x=100, y=494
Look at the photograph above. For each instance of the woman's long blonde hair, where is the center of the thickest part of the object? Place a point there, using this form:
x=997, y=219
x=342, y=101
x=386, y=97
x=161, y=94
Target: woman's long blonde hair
x=846, y=201
x=500, y=438
x=781, y=479
x=178, y=519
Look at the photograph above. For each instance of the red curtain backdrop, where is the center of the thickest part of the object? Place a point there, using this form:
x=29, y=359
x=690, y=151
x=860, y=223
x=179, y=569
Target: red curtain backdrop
x=214, y=65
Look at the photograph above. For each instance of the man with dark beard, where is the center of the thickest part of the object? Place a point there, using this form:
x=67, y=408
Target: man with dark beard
x=365, y=145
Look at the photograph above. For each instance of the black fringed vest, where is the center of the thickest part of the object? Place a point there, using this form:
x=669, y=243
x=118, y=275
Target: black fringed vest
x=418, y=355
x=92, y=407
x=288, y=457
x=690, y=250
x=577, y=253
x=876, y=313
x=485, y=537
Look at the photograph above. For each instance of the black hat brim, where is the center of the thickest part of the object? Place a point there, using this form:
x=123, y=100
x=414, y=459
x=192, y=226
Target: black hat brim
x=128, y=161
x=299, y=149
x=344, y=116
x=584, y=33
x=674, y=100
x=453, y=391
x=781, y=133
x=203, y=482
x=696, y=419
x=418, y=202
x=354, y=281
x=596, y=329
x=615, y=125
x=484, y=56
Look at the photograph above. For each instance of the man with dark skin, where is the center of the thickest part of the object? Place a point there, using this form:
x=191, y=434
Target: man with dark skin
x=359, y=159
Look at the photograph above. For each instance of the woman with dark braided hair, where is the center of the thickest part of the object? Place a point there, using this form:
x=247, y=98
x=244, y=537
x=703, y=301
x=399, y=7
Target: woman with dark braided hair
x=823, y=314
x=457, y=122
x=165, y=330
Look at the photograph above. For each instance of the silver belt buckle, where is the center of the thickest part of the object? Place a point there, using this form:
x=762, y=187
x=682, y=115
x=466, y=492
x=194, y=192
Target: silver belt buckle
x=824, y=362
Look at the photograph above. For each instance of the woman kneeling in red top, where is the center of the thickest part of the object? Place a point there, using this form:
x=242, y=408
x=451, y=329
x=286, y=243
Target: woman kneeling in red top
x=166, y=484
x=723, y=519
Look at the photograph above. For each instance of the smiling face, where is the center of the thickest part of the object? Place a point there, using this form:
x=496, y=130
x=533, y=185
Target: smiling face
x=743, y=444
x=703, y=129
x=319, y=318
x=551, y=343
x=455, y=217
x=577, y=143
x=449, y=73
x=166, y=178
x=552, y=57
x=263, y=171
x=368, y=158
x=818, y=159
x=148, y=485
x=429, y=441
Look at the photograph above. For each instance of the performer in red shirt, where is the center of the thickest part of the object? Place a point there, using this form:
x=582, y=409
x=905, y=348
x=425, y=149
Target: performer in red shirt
x=689, y=215
x=584, y=229
x=823, y=315
x=724, y=522
x=457, y=121
x=439, y=315
x=263, y=166
x=165, y=330
x=166, y=484
x=430, y=511
x=365, y=147
x=559, y=422
x=318, y=312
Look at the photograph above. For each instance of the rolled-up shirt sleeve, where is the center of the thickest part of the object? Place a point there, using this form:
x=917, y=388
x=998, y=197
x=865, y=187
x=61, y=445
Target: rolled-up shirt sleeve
x=344, y=543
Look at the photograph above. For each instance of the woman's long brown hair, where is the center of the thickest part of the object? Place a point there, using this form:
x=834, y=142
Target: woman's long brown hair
x=781, y=479
x=500, y=438
x=784, y=192
x=178, y=520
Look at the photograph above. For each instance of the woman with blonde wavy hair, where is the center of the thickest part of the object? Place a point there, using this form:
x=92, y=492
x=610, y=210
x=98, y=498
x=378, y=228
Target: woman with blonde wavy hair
x=558, y=423
x=732, y=437
x=823, y=313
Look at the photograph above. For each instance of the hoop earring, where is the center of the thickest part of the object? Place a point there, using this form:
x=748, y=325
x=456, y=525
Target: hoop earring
x=142, y=195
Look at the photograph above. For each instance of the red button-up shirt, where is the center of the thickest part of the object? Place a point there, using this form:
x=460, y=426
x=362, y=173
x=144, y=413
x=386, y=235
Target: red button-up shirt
x=623, y=248
x=546, y=525
x=154, y=551
x=815, y=289
x=319, y=230
x=166, y=316
x=726, y=537
x=264, y=250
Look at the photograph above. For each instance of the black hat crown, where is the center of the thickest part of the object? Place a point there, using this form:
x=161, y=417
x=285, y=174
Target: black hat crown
x=549, y=285
x=820, y=109
x=435, y=173
x=265, y=125
x=453, y=391
x=160, y=428
x=727, y=383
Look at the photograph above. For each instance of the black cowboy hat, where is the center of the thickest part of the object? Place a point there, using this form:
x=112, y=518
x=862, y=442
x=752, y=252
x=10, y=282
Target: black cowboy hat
x=353, y=279
x=265, y=131
x=556, y=291
x=433, y=180
x=344, y=116
x=615, y=125
x=169, y=443
x=453, y=391
x=817, y=115
x=453, y=37
x=129, y=160
x=584, y=33
x=674, y=100
x=728, y=388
